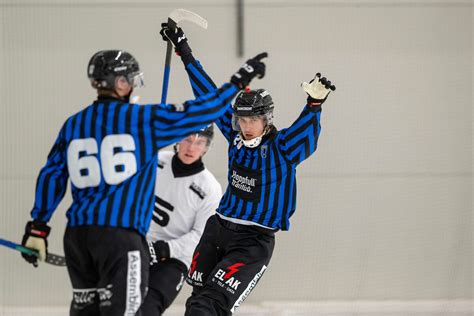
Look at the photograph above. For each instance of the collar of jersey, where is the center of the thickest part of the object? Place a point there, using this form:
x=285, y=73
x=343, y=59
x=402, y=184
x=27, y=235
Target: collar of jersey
x=268, y=136
x=104, y=98
x=181, y=169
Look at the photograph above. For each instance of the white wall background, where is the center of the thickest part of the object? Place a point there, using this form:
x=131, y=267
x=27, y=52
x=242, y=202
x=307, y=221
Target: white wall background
x=384, y=206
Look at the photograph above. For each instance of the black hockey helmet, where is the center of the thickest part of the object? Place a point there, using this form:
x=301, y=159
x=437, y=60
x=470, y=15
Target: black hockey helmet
x=253, y=103
x=104, y=66
x=207, y=132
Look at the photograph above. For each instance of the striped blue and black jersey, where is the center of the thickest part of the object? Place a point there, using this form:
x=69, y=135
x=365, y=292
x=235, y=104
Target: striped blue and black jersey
x=262, y=180
x=109, y=152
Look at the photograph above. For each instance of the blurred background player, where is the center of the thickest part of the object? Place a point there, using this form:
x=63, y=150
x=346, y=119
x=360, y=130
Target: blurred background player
x=109, y=151
x=186, y=195
x=238, y=242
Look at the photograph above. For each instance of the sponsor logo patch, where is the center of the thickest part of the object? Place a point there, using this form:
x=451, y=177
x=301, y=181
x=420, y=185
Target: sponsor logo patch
x=246, y=183
x=134, y=298
x=249, y=289
x=105, y=294
x=83, y=297
x=194, y=276
x=153, y=258
x=225, y=279
x=196, y=189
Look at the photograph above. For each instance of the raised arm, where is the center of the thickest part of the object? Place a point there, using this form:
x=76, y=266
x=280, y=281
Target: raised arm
x=203, y=86
x=174, y=122
x=300, y=140
x=201, y=83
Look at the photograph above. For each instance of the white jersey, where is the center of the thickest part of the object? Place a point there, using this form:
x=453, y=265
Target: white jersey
x=182, y=206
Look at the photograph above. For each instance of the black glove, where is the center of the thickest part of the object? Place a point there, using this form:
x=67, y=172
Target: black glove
x=251, y=69
x=177, y=38
x=159, y=251
x=35, y=236
x=318, y=90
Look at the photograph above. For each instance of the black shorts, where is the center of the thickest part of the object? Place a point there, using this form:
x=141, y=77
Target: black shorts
x=165, y=281
x=228, y=262
x=108, y=268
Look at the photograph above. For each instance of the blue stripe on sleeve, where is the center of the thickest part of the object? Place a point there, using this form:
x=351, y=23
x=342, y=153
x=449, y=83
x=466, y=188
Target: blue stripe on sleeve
x=201, y=78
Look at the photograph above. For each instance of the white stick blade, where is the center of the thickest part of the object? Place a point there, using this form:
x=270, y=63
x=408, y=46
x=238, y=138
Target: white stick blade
x=179, y=15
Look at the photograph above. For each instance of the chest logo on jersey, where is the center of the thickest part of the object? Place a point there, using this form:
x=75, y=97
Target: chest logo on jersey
x=246, y=183
x=196, y=189
x=161, y=164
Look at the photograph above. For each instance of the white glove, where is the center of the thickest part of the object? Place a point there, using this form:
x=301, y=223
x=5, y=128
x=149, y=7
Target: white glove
x=35, y=237
x=38, y=244
x=318, y=89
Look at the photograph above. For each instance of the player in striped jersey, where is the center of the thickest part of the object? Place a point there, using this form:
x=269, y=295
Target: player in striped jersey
x=237, y=243
x=109, y=152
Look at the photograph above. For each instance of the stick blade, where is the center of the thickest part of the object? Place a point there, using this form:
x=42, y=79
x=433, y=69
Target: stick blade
x=51, y=258
x=56, y=260
x=179, y=15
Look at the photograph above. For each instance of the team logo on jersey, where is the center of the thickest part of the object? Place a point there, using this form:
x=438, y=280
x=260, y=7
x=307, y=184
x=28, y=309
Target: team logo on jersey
x=226, y=279
x=263, y=151
x=196, y=189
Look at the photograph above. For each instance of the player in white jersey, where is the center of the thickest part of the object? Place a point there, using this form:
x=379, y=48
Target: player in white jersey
x=186, y=195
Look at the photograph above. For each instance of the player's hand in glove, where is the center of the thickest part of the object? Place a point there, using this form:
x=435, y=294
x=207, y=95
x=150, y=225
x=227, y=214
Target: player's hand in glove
x=177, y=38
x=251, y=69
x=159, y=251
x=318, y=90
x=35, y=236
